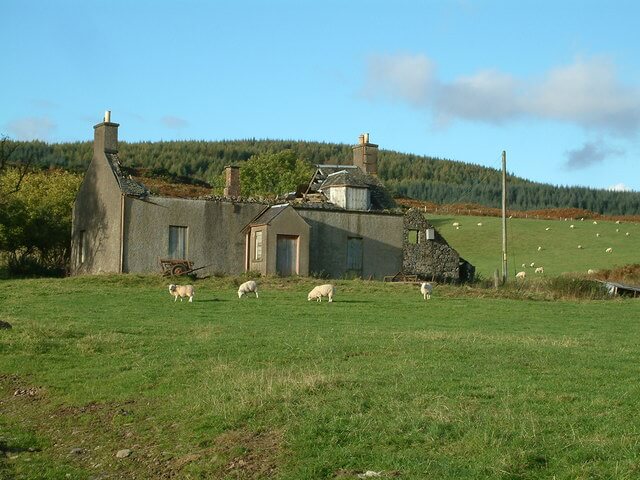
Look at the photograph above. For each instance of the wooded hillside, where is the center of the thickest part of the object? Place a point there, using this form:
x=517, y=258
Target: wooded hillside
x=437, y=180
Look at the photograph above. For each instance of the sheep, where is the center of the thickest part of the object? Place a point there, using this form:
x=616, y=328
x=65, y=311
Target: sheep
x=479, y=224
x=248, y=287
x=181, y=291
x=425, y=289
x=521, y=274
x=539, y=248
x=595, y=223
x=322, y=291
x=572, y=226
x=548, y=228
x=524, y=265
x=617, y=230
x=609, y=250
x=456, y=224
x=627, y=234
x=579, y=247
x=597, y=235
x=591, y=271
x=539, y=270
x=617, y=222
x=532, y=264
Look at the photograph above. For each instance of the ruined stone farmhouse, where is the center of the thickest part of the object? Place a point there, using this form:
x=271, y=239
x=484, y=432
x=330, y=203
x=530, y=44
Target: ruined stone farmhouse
x=343, y=224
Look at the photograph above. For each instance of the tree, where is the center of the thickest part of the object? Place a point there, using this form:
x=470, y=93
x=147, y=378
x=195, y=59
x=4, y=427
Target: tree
x=272, y=174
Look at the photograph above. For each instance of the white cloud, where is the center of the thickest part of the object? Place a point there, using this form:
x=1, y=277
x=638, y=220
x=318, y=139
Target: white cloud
x=586, y=93
x=619, y=187
x=173, y=122
x=31, y=128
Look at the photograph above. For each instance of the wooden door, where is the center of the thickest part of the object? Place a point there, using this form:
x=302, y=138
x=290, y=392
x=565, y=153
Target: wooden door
x=287, y=255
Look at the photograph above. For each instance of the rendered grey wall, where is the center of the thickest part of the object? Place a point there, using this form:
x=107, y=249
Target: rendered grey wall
x=382, y=242
x=97, y=211
x=215, y=236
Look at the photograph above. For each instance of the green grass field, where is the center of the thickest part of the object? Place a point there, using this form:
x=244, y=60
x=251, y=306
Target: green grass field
x=482, y=245
x=460, y=387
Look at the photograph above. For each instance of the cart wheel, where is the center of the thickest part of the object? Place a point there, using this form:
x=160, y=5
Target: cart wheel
x=178, y=269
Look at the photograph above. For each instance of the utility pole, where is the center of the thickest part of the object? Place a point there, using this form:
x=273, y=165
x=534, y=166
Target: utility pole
x=505, y=272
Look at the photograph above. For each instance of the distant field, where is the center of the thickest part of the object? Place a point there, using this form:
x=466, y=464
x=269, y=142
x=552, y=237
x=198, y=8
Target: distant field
x=482, y=245
x=453, y=388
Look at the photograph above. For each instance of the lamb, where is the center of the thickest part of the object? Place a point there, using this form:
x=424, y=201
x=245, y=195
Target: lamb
x=521, y=275
x=425, y=289
x=248, y=287
x=539, y=270
x=181, y=291
x=322, y=291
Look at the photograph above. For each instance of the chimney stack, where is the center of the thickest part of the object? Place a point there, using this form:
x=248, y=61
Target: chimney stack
x=232, y=181
x=105, y=136
x=365, y=155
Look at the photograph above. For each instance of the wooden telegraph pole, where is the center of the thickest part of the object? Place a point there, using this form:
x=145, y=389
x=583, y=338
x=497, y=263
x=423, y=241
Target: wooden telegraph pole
x=505, y=273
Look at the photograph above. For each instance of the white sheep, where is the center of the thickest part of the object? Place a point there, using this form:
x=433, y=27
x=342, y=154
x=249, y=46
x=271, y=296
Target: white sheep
x=627, y=234
x=539, y=248
x=521, y=274
x=181, y=291
x=591, y=271
x=322, y=291
x=479, y=224
x=248, y=287
x=548, y=228
x=579, y=247
x=597, y=235
x=539, y=270
x=532, y=264
x=617, y=222
x=609, y=250
x=425, y=289
x=456, y=224
x=523, y=265
x=572, y=226
x=595, y=223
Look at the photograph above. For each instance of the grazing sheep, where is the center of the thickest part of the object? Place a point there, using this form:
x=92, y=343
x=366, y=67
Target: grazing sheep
x=572, y=226
x=627, y=234
x=524, y=265
x=597, y=234
x=617, y=230
x=426, y=289
x=181, y=291
x=591, y=271
x=580, y=247
x=521, y=274
x=539, y=270
x=248, y=287
x=322, y=291
x=532, y=264
x=595, y=223
x=456, y=224
x=479, y=224
x=618, y=222
x=548, y=228
x=609, y=250
x=539, y=248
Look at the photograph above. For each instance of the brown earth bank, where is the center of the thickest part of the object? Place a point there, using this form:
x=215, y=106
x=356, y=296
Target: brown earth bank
x=473, y=209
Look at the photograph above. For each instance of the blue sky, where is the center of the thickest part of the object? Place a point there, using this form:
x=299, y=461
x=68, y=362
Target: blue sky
x=554, y=83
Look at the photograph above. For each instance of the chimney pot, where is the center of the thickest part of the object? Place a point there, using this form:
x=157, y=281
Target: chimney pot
x=107, y=116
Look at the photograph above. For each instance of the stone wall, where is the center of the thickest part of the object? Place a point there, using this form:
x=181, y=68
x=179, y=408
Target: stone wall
x=429, y=259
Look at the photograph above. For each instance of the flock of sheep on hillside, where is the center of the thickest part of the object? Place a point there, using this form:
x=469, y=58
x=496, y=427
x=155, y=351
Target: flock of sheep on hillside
x=539, y=269
x=327, y=290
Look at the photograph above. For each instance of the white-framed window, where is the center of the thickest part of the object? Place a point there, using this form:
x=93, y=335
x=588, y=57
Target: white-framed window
x=257, y=242
x=177, y=242
x=82, y=246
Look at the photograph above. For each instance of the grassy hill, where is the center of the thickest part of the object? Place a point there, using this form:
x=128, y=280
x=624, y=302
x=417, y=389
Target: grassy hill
x=482, y=245
x=380, y=380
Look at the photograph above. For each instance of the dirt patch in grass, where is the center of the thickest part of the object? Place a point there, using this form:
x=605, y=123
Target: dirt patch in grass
x=250, y=454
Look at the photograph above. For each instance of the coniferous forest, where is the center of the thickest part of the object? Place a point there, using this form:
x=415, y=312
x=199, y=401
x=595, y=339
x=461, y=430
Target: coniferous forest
x=436, y=180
